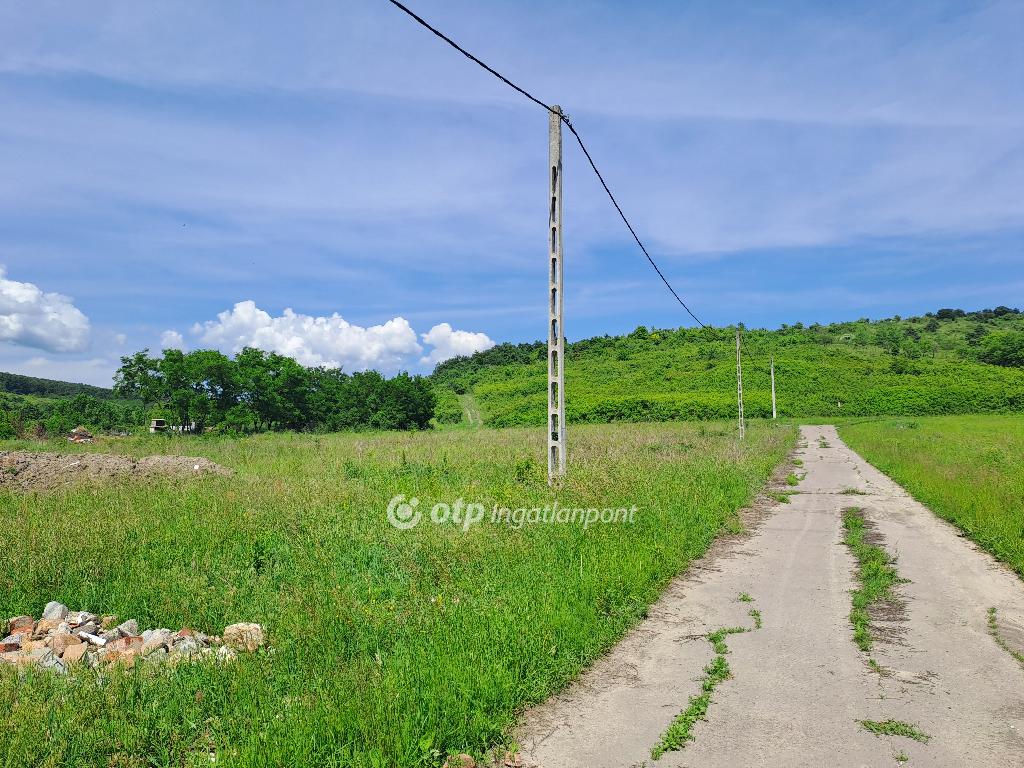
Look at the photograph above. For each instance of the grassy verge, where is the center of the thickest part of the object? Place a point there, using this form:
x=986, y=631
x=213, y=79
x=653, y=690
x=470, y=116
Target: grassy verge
x=391, y=647
x=968, y=469
x=875, y=573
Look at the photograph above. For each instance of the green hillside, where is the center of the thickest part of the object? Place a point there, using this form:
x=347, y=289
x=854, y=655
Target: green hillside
x=946, y=362
x=34, y=407
x=16, y=384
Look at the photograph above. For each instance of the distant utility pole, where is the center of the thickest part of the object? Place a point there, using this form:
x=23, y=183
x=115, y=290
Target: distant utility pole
x=739, y=387
x=556, y=332
x=774, y=414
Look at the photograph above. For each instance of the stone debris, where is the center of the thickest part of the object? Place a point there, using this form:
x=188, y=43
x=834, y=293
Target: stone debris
x=80, y=435
x=55, y=610
x=128, y=628
x=74, y=654
x=61, y=639
x=244, y=637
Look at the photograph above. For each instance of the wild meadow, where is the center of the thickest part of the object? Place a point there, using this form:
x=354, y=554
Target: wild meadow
x=389, y=647
x=968, y=469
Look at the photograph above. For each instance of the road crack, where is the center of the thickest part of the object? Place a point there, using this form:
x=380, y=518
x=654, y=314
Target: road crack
x=680, y=731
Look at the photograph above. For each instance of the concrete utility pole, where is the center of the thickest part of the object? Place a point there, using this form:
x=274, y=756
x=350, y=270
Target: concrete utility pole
x=739, y=387
x=556, y=331
x=774, y=414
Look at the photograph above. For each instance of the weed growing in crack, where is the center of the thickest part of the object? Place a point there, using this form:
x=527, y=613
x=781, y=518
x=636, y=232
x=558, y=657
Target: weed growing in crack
x=717, y=638
x=895, y=728
x=792, y=479
x=993, y=629
x=875, y=572
x=680, y=730
x=853, y=492
x=874, y=666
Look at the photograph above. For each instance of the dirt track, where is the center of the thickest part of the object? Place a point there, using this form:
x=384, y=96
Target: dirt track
x=799, y=685
x=26, y=471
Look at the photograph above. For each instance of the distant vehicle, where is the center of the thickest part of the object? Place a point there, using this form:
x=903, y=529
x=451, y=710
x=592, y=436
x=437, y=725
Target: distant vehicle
x=158, y=425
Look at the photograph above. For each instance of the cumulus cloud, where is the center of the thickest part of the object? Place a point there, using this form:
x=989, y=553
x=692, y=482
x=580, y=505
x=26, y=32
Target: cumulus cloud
x=171, y=340
x=448, y=343
x=330, y=341
x=33, y=318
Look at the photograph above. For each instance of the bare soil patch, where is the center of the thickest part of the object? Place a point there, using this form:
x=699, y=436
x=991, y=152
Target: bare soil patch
x=27, y=471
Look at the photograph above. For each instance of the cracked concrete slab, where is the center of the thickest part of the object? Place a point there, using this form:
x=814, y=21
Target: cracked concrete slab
x=800, y=686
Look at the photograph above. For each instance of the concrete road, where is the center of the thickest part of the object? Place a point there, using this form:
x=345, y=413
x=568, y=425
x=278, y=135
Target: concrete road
x=799, y=685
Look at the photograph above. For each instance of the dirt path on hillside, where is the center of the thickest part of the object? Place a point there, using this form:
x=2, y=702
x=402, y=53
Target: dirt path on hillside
x=799, y=687
x=471, y=410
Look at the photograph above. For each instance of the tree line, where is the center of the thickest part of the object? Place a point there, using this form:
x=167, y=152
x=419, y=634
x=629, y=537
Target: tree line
x=257, y=391
x=22, y=416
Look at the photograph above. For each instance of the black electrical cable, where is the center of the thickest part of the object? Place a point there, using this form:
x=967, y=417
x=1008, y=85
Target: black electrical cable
x=571, y=128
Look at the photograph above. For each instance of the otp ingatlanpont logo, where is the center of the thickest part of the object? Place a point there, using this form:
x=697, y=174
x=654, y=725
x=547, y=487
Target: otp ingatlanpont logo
x=403, y=514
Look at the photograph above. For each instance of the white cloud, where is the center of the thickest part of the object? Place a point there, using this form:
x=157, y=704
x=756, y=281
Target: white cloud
x=330, y=341
x=448, y=343
x=31, y=318
x=171, y=340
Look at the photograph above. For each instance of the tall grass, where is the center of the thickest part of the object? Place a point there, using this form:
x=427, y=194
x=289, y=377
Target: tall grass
x=391, y=647
x=968, y=469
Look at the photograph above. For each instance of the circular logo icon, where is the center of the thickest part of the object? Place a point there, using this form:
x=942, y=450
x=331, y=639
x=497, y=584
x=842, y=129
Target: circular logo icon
x=403, y=514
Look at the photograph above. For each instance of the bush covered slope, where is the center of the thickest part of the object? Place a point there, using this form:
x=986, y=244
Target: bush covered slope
x=17, y=384
x=899, y=366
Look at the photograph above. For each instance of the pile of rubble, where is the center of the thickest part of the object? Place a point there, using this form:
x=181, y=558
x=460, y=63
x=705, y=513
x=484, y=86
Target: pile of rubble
x=64, y=638
x=80, y=435
x=27, y=471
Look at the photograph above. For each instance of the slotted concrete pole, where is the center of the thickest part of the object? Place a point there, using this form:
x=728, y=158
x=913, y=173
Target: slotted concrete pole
x=774, y=414
x=556, y=332
x=739, y=388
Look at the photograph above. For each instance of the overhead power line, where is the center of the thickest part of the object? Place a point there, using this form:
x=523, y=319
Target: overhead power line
x=470, y=56
x=424, y=23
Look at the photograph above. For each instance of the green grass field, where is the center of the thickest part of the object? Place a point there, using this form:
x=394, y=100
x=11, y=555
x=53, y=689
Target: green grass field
x=968, y=469
x=390, y=647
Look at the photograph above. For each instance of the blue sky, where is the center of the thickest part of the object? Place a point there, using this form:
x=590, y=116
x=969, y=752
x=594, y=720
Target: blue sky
x=186, y=172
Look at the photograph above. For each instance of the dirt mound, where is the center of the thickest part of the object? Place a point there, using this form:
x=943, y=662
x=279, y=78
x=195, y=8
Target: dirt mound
x=25, y=471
